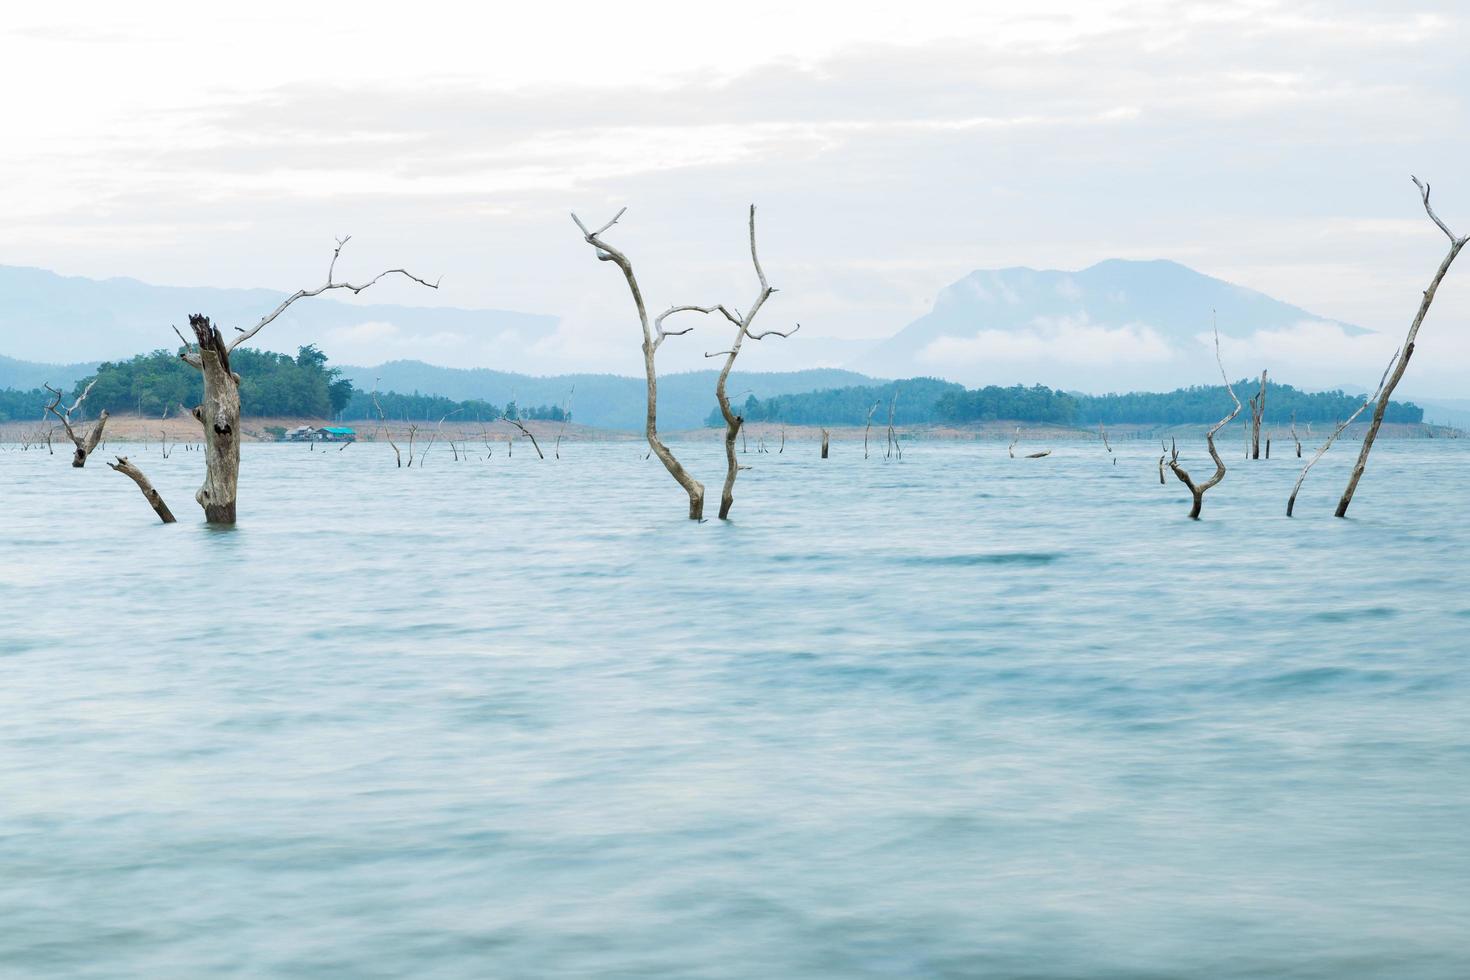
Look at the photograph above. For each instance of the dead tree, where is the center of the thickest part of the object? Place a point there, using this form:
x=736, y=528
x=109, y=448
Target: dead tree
x=824, y=443
x=1198, y=489
x=1294, y=437
x=1258, y=414
x=734, y=424
x=653, y=337
x=220, y=412
x=1163, y=453
x=1106, y=445
x=1406, y=352
x=783, y=440
x=155, y=500
x=387, y=430
x=84, y=444
x=1368, y=400
x=566, y=418
x=893, y=446
x=525, y=432
x=868, y=427
x=1017, y=438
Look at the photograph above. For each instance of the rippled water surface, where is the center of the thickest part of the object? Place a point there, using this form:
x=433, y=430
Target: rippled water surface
x=958, y=716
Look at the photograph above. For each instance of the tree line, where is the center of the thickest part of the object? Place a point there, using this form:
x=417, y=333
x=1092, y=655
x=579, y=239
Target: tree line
x=271, y=386
x=929, y=400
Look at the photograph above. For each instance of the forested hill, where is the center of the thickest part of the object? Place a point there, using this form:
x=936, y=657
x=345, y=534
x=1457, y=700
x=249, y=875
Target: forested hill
x=303, y=386
x=927, y=400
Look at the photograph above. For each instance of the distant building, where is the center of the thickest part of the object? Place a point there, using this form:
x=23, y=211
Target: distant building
x=329, y=433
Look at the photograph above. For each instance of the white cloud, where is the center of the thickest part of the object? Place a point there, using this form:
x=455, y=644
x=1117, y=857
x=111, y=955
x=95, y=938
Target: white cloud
x=1048, y=341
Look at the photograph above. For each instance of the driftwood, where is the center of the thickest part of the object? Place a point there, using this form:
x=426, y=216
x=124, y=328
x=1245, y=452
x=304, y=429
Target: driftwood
x=1197, y=490
x=653, y=337
x=155, y=500
x=1401, y=362
x=84, y=444
x=1291, y=501
x=220, y=412
x=734, y=424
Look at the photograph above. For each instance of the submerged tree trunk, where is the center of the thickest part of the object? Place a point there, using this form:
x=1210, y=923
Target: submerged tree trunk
x=155, y=500
x=220, y=414
x=651, y=343
x=85, y=445
x=824, y=443
x=1197, y=491
x=1291, y=501
x=220, y=411
x=734, y=423
x=1402, y=361
x=1258, y=414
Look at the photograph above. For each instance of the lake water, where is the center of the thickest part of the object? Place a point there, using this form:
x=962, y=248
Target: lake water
x=958, y=716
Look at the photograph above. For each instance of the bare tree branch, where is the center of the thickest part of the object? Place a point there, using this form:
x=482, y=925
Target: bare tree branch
x=84, y=444
x=1377, y=392
x=1198, y=490
x=607, y=253
x=330, y=284
x=155, y=500
x=1405, y=352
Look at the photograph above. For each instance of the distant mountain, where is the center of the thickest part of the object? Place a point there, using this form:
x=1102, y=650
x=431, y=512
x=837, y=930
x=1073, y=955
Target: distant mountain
x=25, y=375
x=604, y=400
x=48, y=317
x=1115, y=325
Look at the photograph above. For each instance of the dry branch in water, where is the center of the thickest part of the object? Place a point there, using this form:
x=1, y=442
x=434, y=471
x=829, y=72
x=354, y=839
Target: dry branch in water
x=734, y=423
x=155, y=500
x=85, y=444
x=651, y=343
x=1258, y=414
x=824, y=443
x=1198, y=490
x=868, y=427
x=525, y=432
x=1405, y=352
x=893, y=446
x=1291, y=501
x=388, y=431
x=220, y=412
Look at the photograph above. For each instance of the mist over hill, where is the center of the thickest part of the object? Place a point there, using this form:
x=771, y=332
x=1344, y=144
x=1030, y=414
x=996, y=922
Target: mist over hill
x=1115, y=326
x=45, y=316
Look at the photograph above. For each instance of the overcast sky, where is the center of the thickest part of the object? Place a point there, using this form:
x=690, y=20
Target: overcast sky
x=892, y=149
